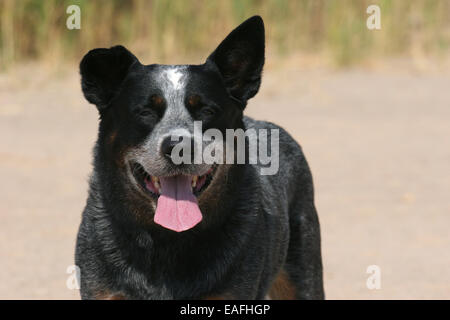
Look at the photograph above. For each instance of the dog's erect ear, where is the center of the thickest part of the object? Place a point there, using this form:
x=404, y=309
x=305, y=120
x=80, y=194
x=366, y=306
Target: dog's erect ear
x=240, y=59
x=102, y=71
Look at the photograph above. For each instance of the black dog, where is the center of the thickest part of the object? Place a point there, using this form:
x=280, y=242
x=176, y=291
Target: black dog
x=153, y=229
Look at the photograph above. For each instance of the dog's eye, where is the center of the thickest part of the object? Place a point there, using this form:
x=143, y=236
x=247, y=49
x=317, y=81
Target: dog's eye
x=201, y=108
x=156, y=104
x=145, y=113
x=208, y=111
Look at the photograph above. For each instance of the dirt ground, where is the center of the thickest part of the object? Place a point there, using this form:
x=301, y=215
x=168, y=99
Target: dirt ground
x=377, y=143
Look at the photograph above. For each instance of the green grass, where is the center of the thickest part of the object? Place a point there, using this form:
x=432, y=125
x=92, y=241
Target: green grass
x=160, y=30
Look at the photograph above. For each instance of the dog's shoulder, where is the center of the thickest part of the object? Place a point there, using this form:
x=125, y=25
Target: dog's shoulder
x=289, y=149
x=293, y=178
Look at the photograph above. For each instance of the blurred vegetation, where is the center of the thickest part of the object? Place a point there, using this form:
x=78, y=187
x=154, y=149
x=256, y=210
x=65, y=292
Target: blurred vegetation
x=159, y=30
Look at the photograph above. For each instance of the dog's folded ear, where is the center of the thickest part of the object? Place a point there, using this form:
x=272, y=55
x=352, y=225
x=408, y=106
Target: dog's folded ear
x=102, y=71
x=240, y=59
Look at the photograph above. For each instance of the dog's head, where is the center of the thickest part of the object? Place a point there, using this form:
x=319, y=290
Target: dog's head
x=142, y=108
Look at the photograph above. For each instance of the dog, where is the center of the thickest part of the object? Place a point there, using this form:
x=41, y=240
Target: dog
x=153, y=229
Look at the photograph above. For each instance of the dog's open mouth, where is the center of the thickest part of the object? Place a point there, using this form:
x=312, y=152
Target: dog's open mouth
x=152, y=185
x=177, y=207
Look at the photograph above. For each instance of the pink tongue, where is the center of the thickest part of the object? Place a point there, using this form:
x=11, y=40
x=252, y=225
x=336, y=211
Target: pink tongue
x=177, y=207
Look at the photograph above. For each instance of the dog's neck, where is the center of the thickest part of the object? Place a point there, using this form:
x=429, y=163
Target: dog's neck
x=225, y=207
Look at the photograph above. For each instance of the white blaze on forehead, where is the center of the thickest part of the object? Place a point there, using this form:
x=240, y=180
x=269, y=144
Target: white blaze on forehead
x=172, y=82
x=175, y=77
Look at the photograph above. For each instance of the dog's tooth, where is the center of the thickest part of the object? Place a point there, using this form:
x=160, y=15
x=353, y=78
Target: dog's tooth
x=194, y=181
x=155, y=181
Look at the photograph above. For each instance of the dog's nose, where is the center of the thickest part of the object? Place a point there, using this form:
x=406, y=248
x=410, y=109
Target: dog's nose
x=185, y=149
x=167, y=146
